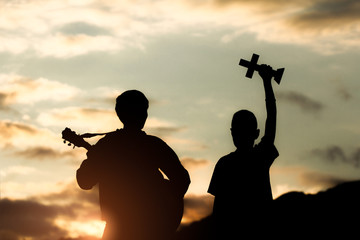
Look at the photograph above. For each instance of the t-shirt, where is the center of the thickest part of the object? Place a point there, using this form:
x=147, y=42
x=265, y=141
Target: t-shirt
x=126, y=167
x=243, y=177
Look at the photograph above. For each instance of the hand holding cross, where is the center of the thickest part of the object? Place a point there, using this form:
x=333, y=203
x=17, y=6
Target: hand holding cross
x=253, y=66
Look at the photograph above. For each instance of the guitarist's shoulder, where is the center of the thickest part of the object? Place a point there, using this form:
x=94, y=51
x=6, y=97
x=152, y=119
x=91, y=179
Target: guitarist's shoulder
x=158, y=144
x=155, y=139
x=120, y=135
x=107, y=139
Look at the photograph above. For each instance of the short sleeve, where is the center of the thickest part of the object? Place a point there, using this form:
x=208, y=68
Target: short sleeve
x=171, y=166
x=215, y=182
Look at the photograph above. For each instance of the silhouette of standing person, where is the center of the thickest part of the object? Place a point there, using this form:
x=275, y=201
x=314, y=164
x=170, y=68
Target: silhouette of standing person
x=136, y=201
x=240, y=181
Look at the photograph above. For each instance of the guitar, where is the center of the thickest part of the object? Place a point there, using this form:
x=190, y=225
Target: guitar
x=71, y=137
x=171, y=208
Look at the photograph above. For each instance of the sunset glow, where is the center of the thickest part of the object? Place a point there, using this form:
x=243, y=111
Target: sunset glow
x=63, y=63
x=77, y=229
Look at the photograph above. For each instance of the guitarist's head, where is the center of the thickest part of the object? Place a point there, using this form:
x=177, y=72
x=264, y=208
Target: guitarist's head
x=131, y=108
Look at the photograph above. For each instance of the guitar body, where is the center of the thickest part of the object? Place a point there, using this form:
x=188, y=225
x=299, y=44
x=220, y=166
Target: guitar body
x=171, y=208
x=154, y=208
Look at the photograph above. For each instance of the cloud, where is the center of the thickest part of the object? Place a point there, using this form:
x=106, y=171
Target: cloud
x=9, y=172
x=43, y=153
x=76, y=28
x=32, y=143
x=65, y=46
x=65, y=30
x=85, y=204
x=197, y=207
x=298, y=99
x=161, y=127
x=262, y=5
x=70, y=193
x=102, y=120
x=24, y=218
x=306, y=179
x=18, y=134
x=56, y=29
x=191, y=163
x=83, y=218
x=342, y=91
x=4, y=101
x=320, y=180
x=71, y=213
x=68, y=214
x=336, y=154
x=83, y=119
x=306, y=14
x=326, y=26
x=11, y=129
x=162, y=131
x=80, y=118
x=320, y=15
x=16, y=89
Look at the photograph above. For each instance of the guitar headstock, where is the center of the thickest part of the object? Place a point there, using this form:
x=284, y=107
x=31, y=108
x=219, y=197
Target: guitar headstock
x=73, y=138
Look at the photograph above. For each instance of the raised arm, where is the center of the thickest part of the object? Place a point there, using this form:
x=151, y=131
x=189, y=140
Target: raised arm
x=265, y=72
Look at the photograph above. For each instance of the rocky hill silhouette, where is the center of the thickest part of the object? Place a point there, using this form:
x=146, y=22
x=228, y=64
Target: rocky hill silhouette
x=331, y=213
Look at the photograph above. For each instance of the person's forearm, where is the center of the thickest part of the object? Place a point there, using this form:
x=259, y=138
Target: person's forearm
x=270, y=126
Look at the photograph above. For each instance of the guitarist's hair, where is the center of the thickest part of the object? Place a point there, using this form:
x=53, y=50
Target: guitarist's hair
x=130, y=105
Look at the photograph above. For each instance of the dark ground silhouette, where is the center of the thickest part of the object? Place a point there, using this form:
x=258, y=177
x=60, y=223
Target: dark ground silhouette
x=331, y=213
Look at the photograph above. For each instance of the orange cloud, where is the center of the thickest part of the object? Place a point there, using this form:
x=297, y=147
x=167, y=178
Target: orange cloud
x=32, y=143
x=24, y=218
x=44, y=153
x=327, y=15
x=16, y=89
x=98, y=119
x=191, y=163
x=197, y=207
x=65, y=30
x=53, y=215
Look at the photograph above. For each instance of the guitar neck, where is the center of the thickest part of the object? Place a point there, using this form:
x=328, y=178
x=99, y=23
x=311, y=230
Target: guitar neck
x=87, y=145
x=73, y=138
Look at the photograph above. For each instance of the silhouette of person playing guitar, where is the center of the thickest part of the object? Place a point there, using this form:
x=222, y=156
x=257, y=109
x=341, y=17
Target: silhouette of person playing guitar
x=136, y=201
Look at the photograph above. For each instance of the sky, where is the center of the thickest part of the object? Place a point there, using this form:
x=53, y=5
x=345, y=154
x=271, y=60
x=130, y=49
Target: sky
x=63, y=63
